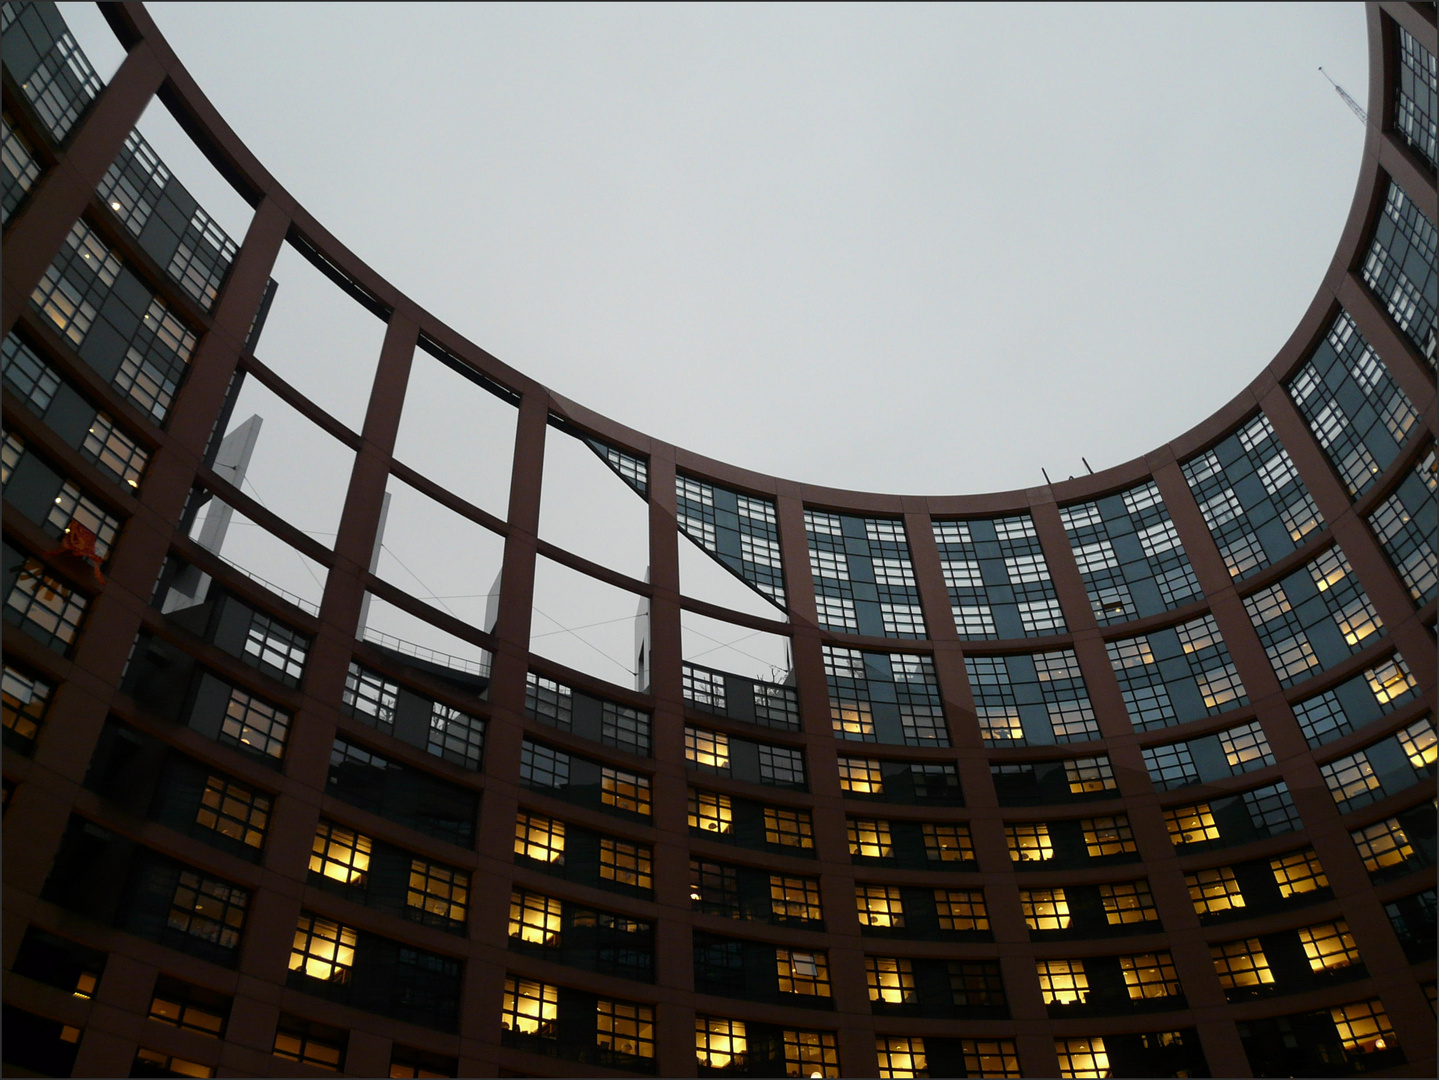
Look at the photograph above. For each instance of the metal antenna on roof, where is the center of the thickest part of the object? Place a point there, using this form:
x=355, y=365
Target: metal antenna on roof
x=1353, y=105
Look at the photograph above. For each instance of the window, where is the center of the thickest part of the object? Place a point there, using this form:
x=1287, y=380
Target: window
x=1240, y=964
x=1082, y=1057
x=1214, y=891
x=535, y=918
x=900, y=1056
x=235, y=810
x=309, y=1043
x=540, y=838
x=625, y=728
x=48, y=609
x=704, y=689
x=802, y=972
x=625, y=791
x=947, y=843
x=976, y=983
x=181, y=1005
x=114, y=451
x=1298, y=872
x=254, y=724
x=990, y=1057
x=625, y=863
x=869, y=838
x=788, y=828
x=543, y=767
x=1089, y=775
x=1063, y=982
x=1044, y=909
x=1246, y=748
x=623, y=1027
x=710, y=812
x=530, y=1008
x=794, y=898
x=879, y=905
x=274, y=645
x=961, y=909
x=406, y=1061
x=456, y=737
x=207, y=909
x=890, y=980
x=1329, y=946
x=779, y=765
x=860, y=776
x=371, y=697
x=1191, y=824
x=810, y=1053
x=1349, y=778
x=1390, y=680
x=165, y=1065
x=548, y=702
x=999, y=724
x=1382, y=844
x=1363, y=1027
x=719, y=1043
x=1108, y=836
x=25, y=699
x=438, y=890
x=1029, y=843
x=340, y=854
x=1149, y=975
x=323, y=949
x=714, y=889
x=1420, y=744
x=1170, y=766
x=1128, y=902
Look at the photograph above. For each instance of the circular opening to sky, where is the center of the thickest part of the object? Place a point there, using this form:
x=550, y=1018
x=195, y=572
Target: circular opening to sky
x=916, y=249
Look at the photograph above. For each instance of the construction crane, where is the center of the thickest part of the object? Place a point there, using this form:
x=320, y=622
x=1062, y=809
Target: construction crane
x=1353, y=105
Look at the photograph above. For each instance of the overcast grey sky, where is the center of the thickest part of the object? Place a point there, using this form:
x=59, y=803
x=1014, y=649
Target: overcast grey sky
x=925, y=249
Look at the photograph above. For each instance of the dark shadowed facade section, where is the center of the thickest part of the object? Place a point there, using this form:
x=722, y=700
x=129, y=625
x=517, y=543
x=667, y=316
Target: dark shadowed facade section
x=1130, y=775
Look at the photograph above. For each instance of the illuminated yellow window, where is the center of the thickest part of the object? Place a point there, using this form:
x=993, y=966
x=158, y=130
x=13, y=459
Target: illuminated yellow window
x=340, y=854
x=85, y=985
x=1363, y=1027
x=173, y=1004
x=999, y=724
x=860, y=776
x=869, y=838
x=232, y=809
x=810, y=1053
x=530, y=1008
x=323, y=950
x=1298, y=872
x=1358, y=621
x=1241, y=963
x=990, y=1057
x=788, y=828
x=540, y=838
x=626, y=863
x=947, y=843
x=1191, y=824
x=1080, y=1058
x=165, y=1065
x=1382, y=844
x=25, y=698
x=1213, y=891
x=1420, y=743
x=794, y=898
x=1149, y=975
x=1329, y=946
x=879, y=905
x=1390, y=679
x=900, y=1057
x=1128, y=902
x=1063, y=982
x=1045, y=909
x=852, y=720
x=720, y=1043
x=1029, y=842
x=802, y=972
x=961, y=909
x=625, y=1027
x=1108, y=836
x=891, y=980
x=438, y=890
x=535, y=918
x=1349, y=777
x=707, y=749
x=710, y=812
x=625, y=790
x=1089, y=775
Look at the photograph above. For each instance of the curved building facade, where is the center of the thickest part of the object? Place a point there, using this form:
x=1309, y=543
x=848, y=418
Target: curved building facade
x=1128, y=775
